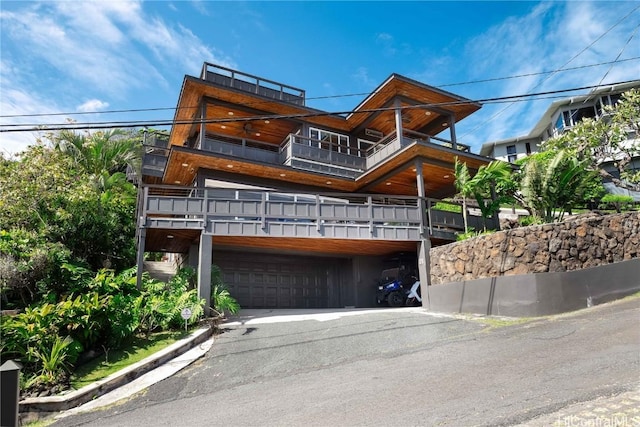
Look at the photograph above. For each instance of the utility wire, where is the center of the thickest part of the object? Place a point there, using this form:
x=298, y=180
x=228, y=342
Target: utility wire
x=131, y=124
x=552, y=74
x=492, y=79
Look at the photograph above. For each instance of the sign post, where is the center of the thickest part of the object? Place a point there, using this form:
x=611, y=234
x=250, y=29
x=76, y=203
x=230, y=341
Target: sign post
x=186, y=315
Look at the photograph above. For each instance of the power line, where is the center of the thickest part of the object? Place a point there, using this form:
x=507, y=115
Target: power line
x=547, y=78
x=491, y=79
x=132, y=124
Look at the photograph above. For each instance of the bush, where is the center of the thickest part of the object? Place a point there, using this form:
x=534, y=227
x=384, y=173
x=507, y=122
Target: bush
x=161, y=303
x=526, y=221
x=617, y=201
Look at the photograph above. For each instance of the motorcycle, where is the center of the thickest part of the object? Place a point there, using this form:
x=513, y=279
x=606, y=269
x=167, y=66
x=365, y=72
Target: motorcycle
x=399, y=293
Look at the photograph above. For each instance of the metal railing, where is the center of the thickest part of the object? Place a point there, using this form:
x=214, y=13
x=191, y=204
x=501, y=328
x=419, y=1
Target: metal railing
x=241, y=212
x=253, y=84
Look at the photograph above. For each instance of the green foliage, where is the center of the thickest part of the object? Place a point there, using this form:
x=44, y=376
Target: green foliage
x=29, y=266
x=55, y=359
x=472, y=233
x=220, y=297
x=597, y=141
x=554, y=182
x=526, y=221
x=618, y=201
x=65, y=205
x=161, y=303
x=447, y=207
x=482, y=187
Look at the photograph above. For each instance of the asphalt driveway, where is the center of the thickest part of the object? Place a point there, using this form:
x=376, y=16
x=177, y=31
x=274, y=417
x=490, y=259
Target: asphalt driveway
x=391, y=368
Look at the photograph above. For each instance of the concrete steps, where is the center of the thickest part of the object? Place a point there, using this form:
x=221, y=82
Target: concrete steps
x=160, y=270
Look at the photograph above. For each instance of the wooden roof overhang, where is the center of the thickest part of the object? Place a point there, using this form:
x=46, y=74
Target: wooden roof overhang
x=398, y=175
x=244, y=106
x=184, y=163
x=157, y=240
x=394, y=176
x=425, y=109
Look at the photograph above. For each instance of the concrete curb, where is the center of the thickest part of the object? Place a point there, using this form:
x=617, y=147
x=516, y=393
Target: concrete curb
x=75, y=398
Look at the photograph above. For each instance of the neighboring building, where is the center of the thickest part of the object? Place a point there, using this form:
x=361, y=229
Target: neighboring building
x=560, y=116
x=300, y=207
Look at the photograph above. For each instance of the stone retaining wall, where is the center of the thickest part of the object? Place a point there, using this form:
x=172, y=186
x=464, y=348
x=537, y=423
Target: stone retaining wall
x=588, y=240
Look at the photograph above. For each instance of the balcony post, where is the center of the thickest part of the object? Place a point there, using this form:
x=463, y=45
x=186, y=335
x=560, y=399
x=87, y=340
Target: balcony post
x=205, y=256
x=203, y=118
x=424, y=247
x=452, y=131
x=398, y=115
x=421, y=198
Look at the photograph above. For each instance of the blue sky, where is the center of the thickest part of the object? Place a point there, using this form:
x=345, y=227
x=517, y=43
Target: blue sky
x=69, y=56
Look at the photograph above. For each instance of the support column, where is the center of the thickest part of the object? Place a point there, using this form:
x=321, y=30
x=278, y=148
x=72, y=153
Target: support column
x=204, y=270
x=142, y=234
x=193, y=255
x=424, y=267
x=452, y=131
x=425, y=243
x=203, y=125
x=422, y=202
x=398, y=114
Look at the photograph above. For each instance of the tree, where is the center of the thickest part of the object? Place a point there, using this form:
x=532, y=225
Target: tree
x=465, y=188
x=607, y=139
x=482, y=187
x=65, y=206
x=101, y=154
x=552, y=183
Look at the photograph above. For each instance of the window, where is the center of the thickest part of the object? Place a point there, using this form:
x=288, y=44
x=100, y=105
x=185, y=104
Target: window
x=329, y=140
x=511, y=153
x=511, y=149
x=574, y=116
x=527, y=147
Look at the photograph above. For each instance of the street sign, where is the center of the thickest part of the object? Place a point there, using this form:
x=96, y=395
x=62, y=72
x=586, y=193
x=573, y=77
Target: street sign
x=186, y=313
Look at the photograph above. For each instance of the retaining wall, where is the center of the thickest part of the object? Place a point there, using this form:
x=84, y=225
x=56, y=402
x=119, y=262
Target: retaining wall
x=541, y=269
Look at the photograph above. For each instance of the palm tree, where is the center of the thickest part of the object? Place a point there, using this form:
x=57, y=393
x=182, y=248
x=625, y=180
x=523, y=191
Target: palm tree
x=464, y=185
x=101, y=154
x=480, y=187
x=553, y=182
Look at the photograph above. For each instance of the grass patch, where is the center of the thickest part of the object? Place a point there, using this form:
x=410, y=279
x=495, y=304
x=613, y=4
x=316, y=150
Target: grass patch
x=112, y=361
x=499, y=322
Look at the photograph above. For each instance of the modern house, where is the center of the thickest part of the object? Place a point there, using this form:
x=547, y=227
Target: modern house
x=301, y=207
x=560, y=116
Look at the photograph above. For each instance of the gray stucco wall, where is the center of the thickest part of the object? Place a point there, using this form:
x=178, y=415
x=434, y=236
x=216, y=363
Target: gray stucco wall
x=538, y=294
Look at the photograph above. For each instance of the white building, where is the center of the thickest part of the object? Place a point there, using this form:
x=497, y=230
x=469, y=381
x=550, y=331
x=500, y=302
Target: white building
x=560, y=116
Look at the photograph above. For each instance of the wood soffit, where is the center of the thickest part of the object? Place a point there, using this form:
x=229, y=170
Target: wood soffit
x=395, y=176
x=229, y=104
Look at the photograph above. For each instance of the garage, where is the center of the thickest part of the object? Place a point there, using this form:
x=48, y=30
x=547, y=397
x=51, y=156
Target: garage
x=259, y=280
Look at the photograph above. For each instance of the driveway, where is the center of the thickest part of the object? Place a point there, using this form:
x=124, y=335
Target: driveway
x=392, y=368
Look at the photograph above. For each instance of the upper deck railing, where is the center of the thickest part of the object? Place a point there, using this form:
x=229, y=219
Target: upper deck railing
x=241, y=212
x=253, y=84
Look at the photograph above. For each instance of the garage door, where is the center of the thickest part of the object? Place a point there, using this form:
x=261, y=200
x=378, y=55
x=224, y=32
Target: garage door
x=272, y=281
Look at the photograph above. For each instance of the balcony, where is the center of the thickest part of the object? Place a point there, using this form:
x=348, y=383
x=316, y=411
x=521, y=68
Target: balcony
x=257, y=213
x=304, y=153
x=248, y=83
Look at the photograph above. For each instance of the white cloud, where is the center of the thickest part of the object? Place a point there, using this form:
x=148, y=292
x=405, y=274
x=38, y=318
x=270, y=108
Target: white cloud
x=92, y=105
x=361, y=76
x=66, y=51
x=550, y=36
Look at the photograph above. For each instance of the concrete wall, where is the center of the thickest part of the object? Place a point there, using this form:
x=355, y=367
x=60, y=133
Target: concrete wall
x=539, y=270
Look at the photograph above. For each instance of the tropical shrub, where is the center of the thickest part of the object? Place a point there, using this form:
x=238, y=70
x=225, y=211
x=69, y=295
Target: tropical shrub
x=618, y=201
x=220, y=297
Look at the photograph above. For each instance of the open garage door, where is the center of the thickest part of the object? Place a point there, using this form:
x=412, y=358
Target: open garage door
x=258, y=280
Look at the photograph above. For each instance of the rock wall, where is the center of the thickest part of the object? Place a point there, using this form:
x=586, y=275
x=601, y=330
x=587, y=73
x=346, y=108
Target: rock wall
x=588, y=240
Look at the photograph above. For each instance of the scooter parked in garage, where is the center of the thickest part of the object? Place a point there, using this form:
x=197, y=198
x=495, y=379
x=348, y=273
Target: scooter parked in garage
x=399, y=293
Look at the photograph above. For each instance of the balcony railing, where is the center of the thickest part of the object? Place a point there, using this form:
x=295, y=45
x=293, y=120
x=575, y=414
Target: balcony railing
x=305, y=153
x=235, y=212
x=248, y=83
